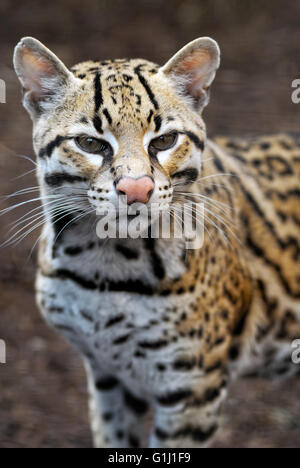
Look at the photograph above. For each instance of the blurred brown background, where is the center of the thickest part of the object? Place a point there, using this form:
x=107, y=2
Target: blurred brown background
x=42, y=387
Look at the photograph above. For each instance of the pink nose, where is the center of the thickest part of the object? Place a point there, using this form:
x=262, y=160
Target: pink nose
x=136, y=190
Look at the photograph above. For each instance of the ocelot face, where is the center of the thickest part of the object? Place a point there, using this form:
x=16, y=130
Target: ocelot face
x=120, y=132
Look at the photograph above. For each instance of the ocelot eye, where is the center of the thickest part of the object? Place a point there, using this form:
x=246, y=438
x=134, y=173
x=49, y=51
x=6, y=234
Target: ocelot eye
x=163, y=142
x=94, y=146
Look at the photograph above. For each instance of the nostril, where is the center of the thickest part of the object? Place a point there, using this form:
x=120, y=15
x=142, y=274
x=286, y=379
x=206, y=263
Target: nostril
x=121, y=192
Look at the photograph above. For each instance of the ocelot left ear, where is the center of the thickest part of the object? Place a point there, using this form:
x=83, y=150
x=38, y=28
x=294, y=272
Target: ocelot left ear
x=43, y=76
x=193, y=70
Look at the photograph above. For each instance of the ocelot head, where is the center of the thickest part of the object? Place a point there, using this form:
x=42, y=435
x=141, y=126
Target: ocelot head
x=117, y=132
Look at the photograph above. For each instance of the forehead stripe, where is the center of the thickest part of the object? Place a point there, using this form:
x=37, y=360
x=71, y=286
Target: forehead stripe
x=98, y=92
x=157, y=121
x=97, y=122
x=108, y=116
x=148, y=90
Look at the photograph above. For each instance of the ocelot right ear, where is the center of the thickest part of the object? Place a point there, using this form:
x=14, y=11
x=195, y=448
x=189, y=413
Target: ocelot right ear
x=193, y=69
x=43, y=76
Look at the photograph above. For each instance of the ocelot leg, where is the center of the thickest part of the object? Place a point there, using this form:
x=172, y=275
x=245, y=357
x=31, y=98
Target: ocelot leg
x=117, y=416
x=188, y=419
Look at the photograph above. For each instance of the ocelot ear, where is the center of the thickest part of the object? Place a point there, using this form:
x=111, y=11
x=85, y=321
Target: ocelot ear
x=193, y=70
x=43, y=76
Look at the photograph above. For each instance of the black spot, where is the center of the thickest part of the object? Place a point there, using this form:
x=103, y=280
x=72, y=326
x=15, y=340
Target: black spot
x=133, y=441
x=234, y=352
x=161, y=367
x=173, y=398
x=166, y=292
x=128, y=253
x=107, y=416
x=211, y=394
x=153, y=344
x=72, y=251
x=195, y=433
x=137, y=405
x=185, y=365
x=106, y=384
x=87, y=316
x=121, y=339
x=114, y=320
x=139, y=354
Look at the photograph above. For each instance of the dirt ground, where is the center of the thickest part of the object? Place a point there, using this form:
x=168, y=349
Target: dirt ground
x=42, y=387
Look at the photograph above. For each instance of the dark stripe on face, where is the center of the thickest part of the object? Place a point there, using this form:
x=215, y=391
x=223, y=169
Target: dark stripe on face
x=108, y=116
x=157, y=121
x=137, y=405
x=174, y=398
x=144, y=83
x=98, y=92
x=191, y=175
x=197, y=142
x=48, y=150
x=59, y=178
x=97, y=122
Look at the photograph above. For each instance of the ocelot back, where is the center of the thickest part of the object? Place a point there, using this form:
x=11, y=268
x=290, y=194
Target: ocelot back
x=160, y=326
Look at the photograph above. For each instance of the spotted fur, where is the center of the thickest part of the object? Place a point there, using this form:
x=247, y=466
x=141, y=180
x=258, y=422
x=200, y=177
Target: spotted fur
x=160, y=327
